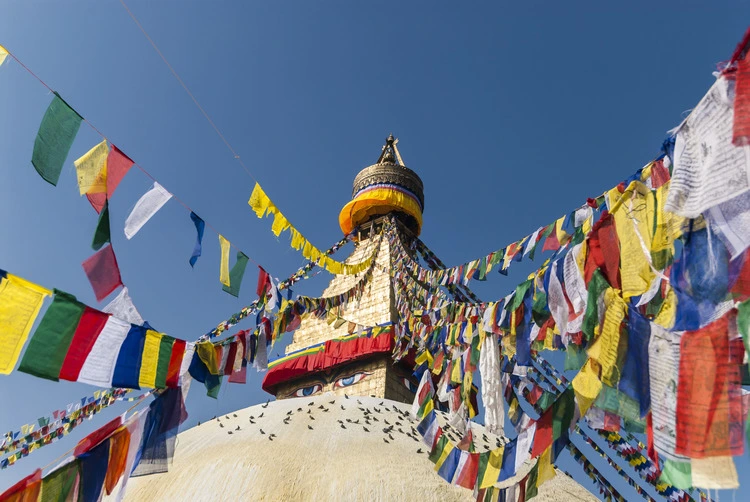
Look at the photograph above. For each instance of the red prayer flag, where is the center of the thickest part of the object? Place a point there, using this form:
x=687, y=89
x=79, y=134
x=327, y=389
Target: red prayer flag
x=97, y=436
x=551, y=243
x=611, y=422
x=103, y=273
x=741, y=135
x=543, y=434
x=175, y=362
x=659, y=174
x=604, y=251
x=263, y=282
x=467, y=477
x=118, y=165
x=709, y=402
x=89, y=326
x=229, y=366
x=26, y=490
x=651, y=449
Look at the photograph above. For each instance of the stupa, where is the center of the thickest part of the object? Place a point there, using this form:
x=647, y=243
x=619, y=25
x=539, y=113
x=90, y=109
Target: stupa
x=340, y=428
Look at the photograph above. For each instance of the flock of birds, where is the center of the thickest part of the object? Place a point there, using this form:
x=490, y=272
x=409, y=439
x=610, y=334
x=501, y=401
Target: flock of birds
x=371, y=419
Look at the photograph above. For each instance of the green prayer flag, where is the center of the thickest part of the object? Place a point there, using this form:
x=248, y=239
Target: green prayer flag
x=678, y=474
x=162, y=366
x=236, y=275
x=562, y=413
x=484, y=459
x=48, y=346
x=743, y=322
x=101, y=234
x=597, y=285
x=531, y=482
x=518, y=298
x=438, y=450
x=575, y=357
x=54, y=139
x=57, y=485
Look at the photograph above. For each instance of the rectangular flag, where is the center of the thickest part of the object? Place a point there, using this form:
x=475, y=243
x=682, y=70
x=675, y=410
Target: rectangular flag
x=447, y=468
x=428, y=428
x=128, y=365
x=147, y=206
x=91, y=170
x=100, y=363
x=57, y=131
x=118, y=164
x=150, y=359
x=224, y=265
x=468, y=469
x=422, y=404
x=91, y=324
x=20, y=302
x=490, y=463
x=102, y=232
x=200, y=226
x=47, y=349
x=236, y=275
x=103, y=273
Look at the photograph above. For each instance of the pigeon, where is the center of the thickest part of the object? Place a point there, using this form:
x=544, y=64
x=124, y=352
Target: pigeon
x=384, y=439
x=390, y=437
x=343, y=426
x=289, y=412
x=312, y=417
x=261, y=431
x=229, y=432
x=227, y=417
x=359, y=402
x=349, y=420
x=332, y=402
x=261, y=415
x=311, y=403
x=221, y=425
x=346, y=396
x=419, y=450
x=386, y=422
x=321, y=407
x=251, y=417
x=399, y=429
x=199, y=423
x=342, y=407
x=238, y=428
x=325, y=410
x=234, y=415
x=356, y=422
x=366, y=429
x=381, y=403
x=310, y=427
x=270, y=438
x=398, y=423
x=265, y=405
x=309, y=411
x=252, y=422
x=217, y=419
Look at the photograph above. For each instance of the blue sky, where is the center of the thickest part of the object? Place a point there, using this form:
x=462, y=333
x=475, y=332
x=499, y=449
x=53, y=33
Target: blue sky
x=512, y=113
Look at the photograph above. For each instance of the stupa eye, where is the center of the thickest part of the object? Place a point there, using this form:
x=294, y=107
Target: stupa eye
x=350, y=380
x=307, y=391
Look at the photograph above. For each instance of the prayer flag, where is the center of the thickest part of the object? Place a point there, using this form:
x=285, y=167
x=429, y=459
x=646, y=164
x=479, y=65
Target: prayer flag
x=264, y=282
x=118, y=455
x=123, y=308
x=26, y=490
x=634, y=380
x=91, y=169
x=165, y=356
x=741, y=126
x=147, y=206
x=94, y=464
x=428, y=428
x=236, y=275
x=57, y=131
x=468, y=469
x=175, y=363
x=447, y=468
x=543, y=435
x=714, y=473
x=103, y=273
x=118, y=164
x=224, y=265
x=422, y=404
x=48, y=347
x=150, y=359
x=198, y=248
x=709, y=404
x=100, y=363
x=58, y=484
x=102, y=233
x=20, y=302
x=490, y=465
x=3, y=54
x=89, y=326
x=128, y=366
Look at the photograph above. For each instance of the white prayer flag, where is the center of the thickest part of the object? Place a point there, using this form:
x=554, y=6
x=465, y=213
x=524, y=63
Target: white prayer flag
x=145, y=208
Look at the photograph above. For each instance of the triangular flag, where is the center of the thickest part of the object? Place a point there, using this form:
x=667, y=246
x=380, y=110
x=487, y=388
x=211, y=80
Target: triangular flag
x=3, y=54
x=103, y=272
x=91, y=170
x=57, y=131
x=236, y=275
x=118, y=164
x=102, y=234
x=200, y=226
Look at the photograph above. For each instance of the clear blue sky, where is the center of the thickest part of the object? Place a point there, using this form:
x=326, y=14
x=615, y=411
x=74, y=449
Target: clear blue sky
x=513, y=113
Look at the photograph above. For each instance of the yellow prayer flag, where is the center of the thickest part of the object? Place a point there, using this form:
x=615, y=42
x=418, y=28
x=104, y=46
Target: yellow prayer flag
x=443, y=455
x=150, y=360
x=91, y=170
x=224, y=269
x=561, y=235
x=3, y=54
x=546, y=469
x=604, y=350
x=259, y=201
x=492, y=472
x=587, y=387
x=20, y=301
x=668, y=311
x=280, y=223
x=207, y=354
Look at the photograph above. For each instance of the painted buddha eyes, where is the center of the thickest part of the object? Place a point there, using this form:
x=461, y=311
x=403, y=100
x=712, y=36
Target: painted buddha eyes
x=308, y=391
x=350, y=380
